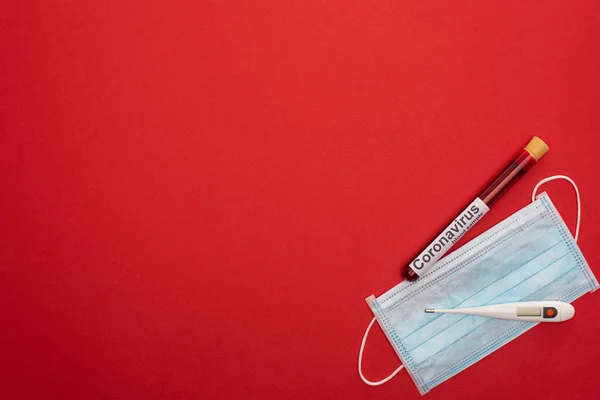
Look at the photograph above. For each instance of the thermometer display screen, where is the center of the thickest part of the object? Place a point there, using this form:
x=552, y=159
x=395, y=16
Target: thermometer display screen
x=529, y=312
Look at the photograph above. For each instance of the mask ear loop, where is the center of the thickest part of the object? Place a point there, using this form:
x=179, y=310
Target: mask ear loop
x=360, y=355
x=566, y=178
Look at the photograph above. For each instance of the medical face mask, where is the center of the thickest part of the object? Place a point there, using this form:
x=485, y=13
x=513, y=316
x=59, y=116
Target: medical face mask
x=529, y=256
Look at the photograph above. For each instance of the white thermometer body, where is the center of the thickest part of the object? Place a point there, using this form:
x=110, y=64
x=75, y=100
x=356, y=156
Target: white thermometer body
x=534, y=311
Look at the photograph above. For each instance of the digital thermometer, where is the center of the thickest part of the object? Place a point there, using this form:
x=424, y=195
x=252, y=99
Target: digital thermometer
x=534, y=311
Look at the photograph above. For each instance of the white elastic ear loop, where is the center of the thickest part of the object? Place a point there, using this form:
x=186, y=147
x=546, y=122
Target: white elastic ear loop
x=566, y=178
x=360, y=355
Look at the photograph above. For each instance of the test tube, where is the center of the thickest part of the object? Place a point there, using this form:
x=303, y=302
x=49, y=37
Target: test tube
x=526, y=158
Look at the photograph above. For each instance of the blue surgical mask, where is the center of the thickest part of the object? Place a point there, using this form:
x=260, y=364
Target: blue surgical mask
x=529, y=256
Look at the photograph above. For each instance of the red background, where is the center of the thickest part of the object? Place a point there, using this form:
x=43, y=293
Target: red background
x=196, y=196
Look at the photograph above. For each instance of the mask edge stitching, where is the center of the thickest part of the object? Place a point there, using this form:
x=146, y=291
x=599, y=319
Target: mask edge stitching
x=397, y=344
x=568, y=239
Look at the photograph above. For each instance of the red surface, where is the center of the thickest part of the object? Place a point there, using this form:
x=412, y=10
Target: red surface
x=196, y=196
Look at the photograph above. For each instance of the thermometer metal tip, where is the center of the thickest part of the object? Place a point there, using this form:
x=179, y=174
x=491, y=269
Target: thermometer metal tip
x=429, y=310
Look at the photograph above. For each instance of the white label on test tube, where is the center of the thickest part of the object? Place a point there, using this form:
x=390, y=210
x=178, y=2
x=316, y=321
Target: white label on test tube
x=449, y=236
